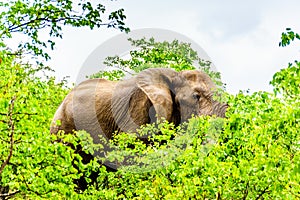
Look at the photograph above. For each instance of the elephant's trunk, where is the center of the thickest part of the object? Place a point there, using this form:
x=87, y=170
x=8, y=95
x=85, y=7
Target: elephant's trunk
x=219, y=109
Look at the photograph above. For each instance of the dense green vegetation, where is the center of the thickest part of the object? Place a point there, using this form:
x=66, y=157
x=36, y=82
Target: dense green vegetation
x=149, y=53
x=252, y=154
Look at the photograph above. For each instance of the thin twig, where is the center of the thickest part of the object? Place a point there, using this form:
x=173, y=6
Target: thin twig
x=47, y=21
x=19, y=113
x=246, y=191
x=263, y=192
x=9, y=194
x=29, y=189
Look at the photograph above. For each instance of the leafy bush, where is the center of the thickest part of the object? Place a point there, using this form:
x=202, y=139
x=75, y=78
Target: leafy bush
x=32, y=163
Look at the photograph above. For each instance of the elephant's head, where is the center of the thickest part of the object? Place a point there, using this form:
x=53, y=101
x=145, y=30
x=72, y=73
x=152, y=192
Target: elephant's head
x=176, y=96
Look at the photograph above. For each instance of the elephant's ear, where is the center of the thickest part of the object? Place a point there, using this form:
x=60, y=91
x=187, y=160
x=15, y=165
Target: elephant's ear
x=156, y=84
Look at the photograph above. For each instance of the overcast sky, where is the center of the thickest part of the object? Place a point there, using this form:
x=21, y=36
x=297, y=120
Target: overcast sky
x=240, y=37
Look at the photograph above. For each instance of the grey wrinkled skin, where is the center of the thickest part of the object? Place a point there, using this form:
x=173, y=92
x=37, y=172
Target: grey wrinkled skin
x=102, y=107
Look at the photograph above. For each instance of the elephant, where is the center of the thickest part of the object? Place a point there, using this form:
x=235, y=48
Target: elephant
x=100, y=106
x=103, y=107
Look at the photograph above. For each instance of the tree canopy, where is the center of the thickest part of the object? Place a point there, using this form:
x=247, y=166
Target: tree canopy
x=30, y=18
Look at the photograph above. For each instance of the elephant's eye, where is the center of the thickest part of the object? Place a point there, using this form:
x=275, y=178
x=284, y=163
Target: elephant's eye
x=196, y=96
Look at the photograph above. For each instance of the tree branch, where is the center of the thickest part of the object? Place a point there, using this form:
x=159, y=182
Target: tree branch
x=12, y=129
x=246, y=191
x=263, y=192
x=9, y=194
x=13, y=28
x=19, y=113
x=35, y=192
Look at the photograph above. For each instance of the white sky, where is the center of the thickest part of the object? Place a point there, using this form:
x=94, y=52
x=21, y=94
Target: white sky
x=240, y=37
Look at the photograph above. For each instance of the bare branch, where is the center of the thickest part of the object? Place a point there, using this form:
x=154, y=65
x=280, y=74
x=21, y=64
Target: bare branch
x=9, y=194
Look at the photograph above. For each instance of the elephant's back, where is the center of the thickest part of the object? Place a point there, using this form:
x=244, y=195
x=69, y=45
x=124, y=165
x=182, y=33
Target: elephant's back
x=96, y=83
x=90, y=98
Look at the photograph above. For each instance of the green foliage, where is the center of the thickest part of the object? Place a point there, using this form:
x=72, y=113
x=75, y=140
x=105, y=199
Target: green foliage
x=152, y=54
x=287, y=37
x=287, y=81
x=177, y=55
x=30, y=18
x=33, y=163
x=137, y=157
x=27, y=105
x=113, y=75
